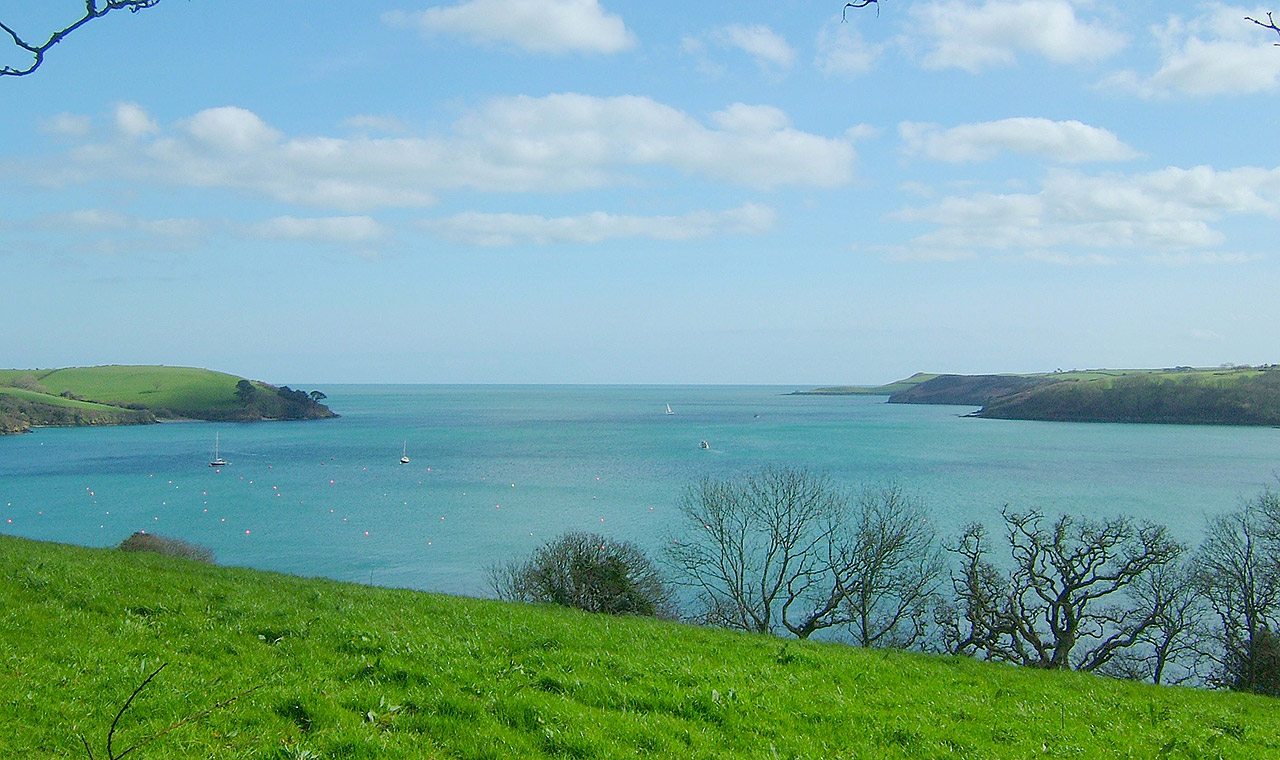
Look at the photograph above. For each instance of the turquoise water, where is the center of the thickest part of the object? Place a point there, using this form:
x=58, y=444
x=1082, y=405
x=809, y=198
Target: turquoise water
x=497, y=470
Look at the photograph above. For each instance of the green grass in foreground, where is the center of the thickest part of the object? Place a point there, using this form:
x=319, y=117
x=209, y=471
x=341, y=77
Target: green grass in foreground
x=354, y=672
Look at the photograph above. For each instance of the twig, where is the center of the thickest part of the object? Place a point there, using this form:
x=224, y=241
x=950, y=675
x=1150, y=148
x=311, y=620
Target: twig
x=859, y=4
x=111, y=755
x=114, y=723
x=1271, y=24
x=92, y=9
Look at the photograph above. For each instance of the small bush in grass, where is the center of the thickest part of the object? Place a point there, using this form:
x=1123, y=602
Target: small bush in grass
x=142, y=541
x=586, y=571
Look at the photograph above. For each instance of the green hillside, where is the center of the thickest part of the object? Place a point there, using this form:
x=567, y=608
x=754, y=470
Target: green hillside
x=345, y=671
x=113, y=395
x=178, y=390
x=1181, y=395
x=869, y=390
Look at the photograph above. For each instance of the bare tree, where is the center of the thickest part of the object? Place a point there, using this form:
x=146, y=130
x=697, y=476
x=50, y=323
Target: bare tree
x=1270, y=23
x=1062, y=602
x=894, y=570
x=93, y=9
x=1239, y=573
x=754, y=549
x=786, y=551
x=1172, y=649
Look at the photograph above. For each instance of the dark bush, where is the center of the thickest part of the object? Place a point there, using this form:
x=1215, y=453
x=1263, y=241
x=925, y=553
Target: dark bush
x=169, y=547
x=586, y=571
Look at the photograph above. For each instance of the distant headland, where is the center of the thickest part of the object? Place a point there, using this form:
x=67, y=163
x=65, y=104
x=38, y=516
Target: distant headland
x=140, y=395
x=1228, y=395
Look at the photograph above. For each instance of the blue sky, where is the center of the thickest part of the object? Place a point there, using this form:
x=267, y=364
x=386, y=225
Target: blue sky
x=598, y=191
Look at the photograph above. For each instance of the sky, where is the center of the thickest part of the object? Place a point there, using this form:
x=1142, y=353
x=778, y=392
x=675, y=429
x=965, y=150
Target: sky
x=610, y=191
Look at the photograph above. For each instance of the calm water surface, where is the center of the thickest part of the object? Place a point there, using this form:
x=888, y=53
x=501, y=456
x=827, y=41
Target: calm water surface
x=497, y=470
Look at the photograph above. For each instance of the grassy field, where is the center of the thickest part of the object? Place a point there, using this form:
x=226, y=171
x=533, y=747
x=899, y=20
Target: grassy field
x=346, y=671
x=870, y=390
x=45, y=398
x=33, y=398
x=1219, y=376
x=174, y=388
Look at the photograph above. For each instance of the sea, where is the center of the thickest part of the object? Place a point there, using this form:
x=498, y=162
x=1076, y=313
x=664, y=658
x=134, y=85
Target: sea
x=495, y=471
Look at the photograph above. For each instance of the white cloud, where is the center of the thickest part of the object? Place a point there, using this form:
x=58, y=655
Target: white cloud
x=516, y=229
x=1167, y=210
x=843, y=52
x=99, y=220
x=1193, y=258
x=1216, y=53
x=538, y=26
x=389, y=125
x=111, y=232
x=767, y=47
x=67, y=125
x=337, y=229
x=230, y=130
x=1062, y=141
x=132, y=120
x=556, y=143
x=974, y=37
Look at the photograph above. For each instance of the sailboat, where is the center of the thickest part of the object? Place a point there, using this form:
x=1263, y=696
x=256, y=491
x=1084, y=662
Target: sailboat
x=217, y=460
x=669, y=409
x=404, y=454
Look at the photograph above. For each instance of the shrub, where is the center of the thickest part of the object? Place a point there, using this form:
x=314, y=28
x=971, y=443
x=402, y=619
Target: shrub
x=142, y=541
x=586, y=571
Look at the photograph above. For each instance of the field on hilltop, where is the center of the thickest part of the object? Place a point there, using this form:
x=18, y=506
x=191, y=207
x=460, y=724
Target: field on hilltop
x=1181, y=395
x=331, y=670
x=120, y=394
x=175, y=389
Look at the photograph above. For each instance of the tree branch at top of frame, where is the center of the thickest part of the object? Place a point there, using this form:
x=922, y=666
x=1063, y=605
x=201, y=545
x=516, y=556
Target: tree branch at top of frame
x=858, y=4
x=93, y=9
x=1270, y=23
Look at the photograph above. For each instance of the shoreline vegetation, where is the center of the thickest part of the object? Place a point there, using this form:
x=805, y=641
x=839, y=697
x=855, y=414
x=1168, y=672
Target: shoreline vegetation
x=283, y=666
x=142, y=395
x=1228, y=395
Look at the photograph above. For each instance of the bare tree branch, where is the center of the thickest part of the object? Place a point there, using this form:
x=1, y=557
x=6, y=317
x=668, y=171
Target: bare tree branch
x=115, y=723
x=1270, y=24
x=1055, y=609
x=93, y=9
x=858, y=4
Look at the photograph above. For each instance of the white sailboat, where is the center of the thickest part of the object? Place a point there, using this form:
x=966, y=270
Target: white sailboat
x=404, y=453
x=669, y=409
x=217, y=460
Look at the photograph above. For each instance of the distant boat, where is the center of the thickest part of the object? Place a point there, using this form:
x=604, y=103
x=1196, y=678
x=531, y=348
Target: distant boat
x=404, y=454
x=217, y=460
x=669, y=409
x=704, y=445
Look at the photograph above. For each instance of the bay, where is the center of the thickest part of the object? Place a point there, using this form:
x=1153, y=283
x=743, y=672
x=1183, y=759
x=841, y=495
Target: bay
x=495, y=471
